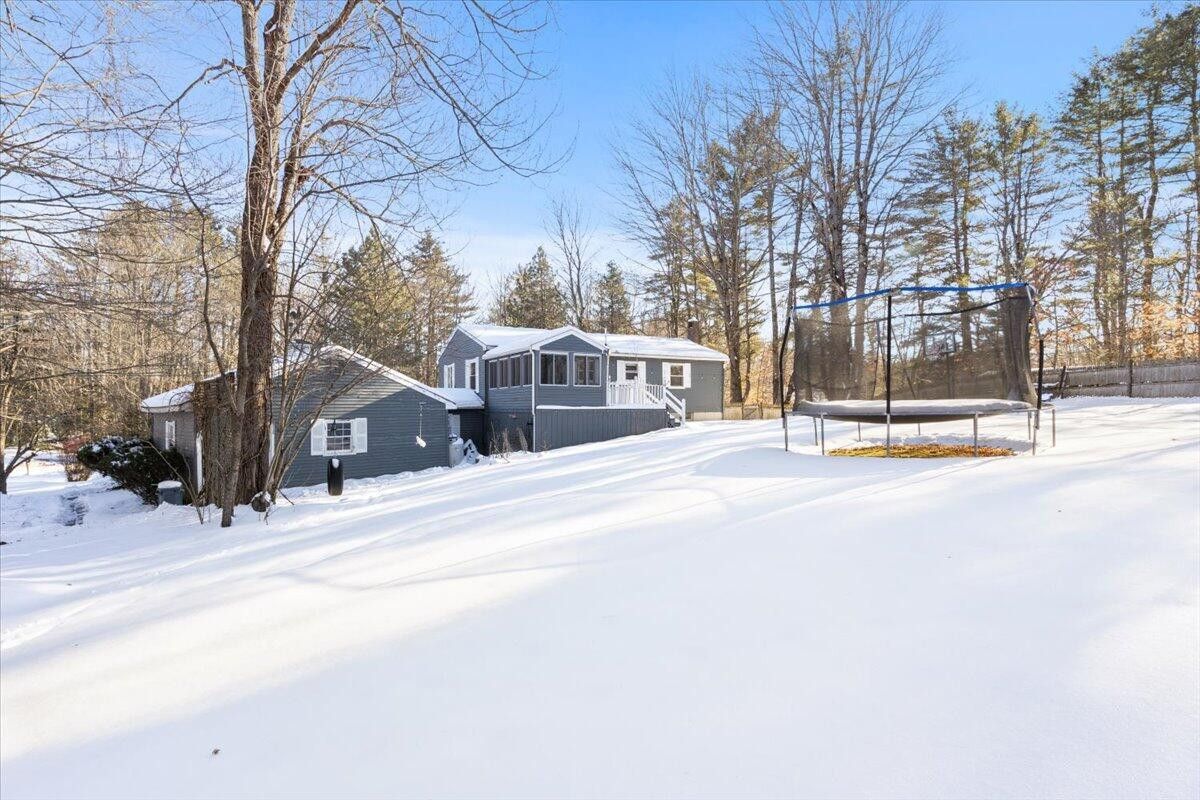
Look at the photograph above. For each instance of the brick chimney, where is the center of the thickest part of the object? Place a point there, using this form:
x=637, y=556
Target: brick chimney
x=693, y=330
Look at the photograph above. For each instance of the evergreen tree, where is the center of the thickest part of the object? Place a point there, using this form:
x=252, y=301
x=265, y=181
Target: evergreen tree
x=612, y=307
x=947, y=182
x=529, y=297
x=1091, y=125
x=374, y=304
x=677, y=290
x=1025, y=193
x=444, y=299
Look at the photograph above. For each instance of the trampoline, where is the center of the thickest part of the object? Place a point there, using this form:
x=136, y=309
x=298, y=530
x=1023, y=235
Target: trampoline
x=913, y=355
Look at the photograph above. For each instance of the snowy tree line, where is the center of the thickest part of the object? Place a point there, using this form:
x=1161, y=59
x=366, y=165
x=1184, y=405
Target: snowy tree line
x=253, y=156
x=842, y=159
x=160, y=226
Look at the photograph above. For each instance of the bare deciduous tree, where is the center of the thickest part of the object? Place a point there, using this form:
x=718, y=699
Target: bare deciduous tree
x=574, y=240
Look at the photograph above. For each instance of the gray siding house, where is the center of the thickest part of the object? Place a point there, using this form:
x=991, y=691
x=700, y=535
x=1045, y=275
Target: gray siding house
x=372, y=418
x=544, y=389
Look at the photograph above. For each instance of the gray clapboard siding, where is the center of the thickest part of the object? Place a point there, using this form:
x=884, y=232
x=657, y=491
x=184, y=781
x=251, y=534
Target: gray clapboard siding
x=707, y=392
x=572, y=426
x=459, y=349
x=394, y=417
x=510, y=398
x=185, y=431
x=570, y=394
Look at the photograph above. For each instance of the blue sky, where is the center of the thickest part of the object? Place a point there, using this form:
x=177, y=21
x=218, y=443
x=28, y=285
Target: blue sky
x=608, y=55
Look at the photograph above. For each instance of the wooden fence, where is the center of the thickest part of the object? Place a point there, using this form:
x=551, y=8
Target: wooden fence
x=1135, y=379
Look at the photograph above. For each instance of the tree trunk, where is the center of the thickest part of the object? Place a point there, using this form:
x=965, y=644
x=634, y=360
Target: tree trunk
x=776, y=385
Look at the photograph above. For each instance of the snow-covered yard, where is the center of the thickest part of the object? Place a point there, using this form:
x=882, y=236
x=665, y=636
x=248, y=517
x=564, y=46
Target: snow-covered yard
x=690, y=613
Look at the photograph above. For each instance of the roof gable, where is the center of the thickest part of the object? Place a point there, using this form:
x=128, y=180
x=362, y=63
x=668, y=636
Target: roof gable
x=177, y=399
x=502, y=340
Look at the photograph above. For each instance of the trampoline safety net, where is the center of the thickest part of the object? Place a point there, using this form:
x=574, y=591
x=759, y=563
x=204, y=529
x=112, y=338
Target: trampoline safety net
x=945, y=342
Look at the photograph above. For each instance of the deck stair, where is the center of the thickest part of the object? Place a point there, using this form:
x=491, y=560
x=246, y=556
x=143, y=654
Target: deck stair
x=648, y=395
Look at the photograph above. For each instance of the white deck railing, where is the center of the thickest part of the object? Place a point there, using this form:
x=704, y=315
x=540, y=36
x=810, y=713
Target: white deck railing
x=635, y=394
x=650, y=395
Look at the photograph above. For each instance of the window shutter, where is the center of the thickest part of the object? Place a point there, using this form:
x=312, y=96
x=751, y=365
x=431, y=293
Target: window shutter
x=316, y=439
x=358, y=434
x=687, y=376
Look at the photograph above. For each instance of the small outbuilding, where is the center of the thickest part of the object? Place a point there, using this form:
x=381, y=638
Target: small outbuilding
x=375, y=420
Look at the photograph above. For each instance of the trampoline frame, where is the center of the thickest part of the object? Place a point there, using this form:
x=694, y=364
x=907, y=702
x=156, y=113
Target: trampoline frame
x=1033, y=414
x=1033, y=420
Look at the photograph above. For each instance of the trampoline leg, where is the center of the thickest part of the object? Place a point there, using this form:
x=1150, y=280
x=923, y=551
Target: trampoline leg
x=1036, y=424
x=918, y=429
x=975, y=426
x=814, y=419
x=822, y=434
x=889, y=435
x=1029, y=425
x=860, y=431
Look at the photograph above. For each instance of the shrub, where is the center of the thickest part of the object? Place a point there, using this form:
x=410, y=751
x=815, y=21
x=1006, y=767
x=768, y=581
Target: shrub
x=135, y=464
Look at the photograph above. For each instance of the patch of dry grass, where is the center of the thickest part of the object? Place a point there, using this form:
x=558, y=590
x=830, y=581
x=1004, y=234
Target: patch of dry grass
x=923, y=451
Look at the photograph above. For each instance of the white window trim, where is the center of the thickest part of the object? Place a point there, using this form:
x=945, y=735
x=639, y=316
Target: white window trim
x=641, y=370
x=169, y=434
x=448, y=376
x=599, y=382
x=563, y=353
x=471, y=368
x=687, y=374
x=199, y=461
x=358, y=437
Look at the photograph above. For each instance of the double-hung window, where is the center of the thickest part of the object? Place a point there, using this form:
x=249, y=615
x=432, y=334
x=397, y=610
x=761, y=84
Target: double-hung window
x=631, y=371
x=526, y=369
x=514, y=366
x=169, y=434
x=448, y=376
x=677, y=375
x=553, y=369
x=587, y=370
x=339, y=437
x=472, y=375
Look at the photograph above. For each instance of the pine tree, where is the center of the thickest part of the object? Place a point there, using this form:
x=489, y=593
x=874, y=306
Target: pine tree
x=612, y=307
x=529, y=297
x=947, y=183
x=444, y=299
x=375, y=305
x=1092, y=126
x=1025, y=193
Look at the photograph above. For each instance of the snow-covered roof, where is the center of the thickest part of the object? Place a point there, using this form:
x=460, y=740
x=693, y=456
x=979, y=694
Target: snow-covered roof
x=461, y=398
x=661, y=347
x=176, y=399
x=505, y=341
x=539, y=336
x=498, y=335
